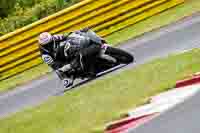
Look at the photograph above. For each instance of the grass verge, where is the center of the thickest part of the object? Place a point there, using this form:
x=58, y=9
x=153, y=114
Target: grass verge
x=89, y=107
x=154, y=22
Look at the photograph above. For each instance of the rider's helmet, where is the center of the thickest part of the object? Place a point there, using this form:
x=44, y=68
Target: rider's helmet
x=45, y=38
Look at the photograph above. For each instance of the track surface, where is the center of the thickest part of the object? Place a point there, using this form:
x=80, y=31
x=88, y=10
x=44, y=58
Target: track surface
x=182, y=119
x=178, y=37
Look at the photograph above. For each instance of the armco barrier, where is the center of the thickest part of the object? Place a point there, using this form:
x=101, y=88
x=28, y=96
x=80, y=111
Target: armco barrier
x=19, y=50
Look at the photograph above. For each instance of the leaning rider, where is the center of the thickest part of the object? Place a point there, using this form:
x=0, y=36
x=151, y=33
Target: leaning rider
x=62, y=62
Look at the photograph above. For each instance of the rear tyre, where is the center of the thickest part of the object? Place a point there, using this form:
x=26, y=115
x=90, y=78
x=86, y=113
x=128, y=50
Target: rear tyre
x=121, y=56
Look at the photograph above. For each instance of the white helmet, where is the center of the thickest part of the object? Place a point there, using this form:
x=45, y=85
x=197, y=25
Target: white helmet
x=45, y=38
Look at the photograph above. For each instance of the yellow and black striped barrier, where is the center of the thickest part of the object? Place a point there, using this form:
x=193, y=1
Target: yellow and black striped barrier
x=19, y=50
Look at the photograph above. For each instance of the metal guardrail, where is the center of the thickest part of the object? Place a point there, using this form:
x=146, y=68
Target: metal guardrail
x=19, y=50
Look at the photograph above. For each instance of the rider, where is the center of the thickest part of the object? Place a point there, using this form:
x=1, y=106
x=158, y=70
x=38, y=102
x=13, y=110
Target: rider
x=69, y=49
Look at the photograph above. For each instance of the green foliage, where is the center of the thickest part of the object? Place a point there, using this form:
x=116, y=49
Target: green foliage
x=1, y=33
x=61, y=3
x=27, y=3
x=25, y=12
x=6, y=6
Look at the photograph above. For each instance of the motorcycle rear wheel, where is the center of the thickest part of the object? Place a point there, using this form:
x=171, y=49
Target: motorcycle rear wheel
x=120, y=55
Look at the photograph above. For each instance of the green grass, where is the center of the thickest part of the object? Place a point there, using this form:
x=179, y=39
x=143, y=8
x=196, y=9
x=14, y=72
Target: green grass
x=87, y=108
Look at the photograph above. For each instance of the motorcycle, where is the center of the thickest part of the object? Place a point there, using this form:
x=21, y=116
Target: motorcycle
x=100, y=64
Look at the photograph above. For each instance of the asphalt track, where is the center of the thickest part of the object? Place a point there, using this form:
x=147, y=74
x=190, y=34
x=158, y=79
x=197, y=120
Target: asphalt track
x=183, y=35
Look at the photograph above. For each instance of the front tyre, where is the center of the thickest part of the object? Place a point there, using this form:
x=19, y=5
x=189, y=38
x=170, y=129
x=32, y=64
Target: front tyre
x=120, y=55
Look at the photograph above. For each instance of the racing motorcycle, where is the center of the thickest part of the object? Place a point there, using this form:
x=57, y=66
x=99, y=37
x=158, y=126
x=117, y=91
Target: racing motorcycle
x=100, y=64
